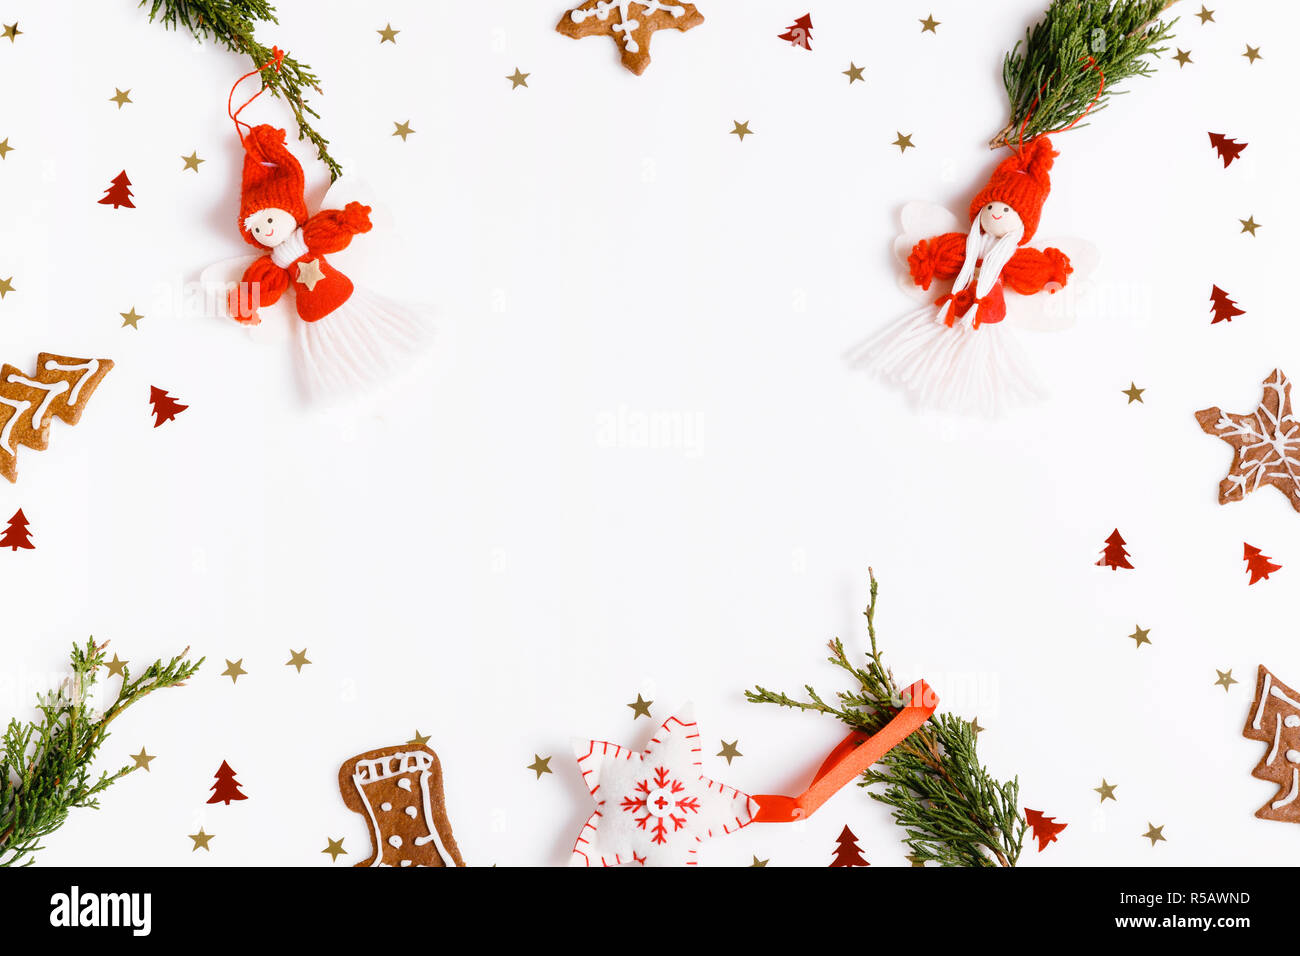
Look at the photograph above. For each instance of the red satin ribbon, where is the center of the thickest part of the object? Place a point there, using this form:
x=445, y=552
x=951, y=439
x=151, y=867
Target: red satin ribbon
x=854, y=754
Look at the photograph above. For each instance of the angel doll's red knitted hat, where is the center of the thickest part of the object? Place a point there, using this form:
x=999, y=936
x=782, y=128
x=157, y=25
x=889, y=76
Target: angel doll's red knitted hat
x=272, y=178
x=1022, y=182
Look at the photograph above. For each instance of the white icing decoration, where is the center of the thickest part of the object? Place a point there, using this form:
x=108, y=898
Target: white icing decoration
x=91, y=366
x=1277, y=740
x=1259, y=707
x=1290, y=797
x=1292, y=721
x=411, y=811
x=405, y=783
x=626, y=24
x=394, y=841
x=52, y=391
x=1281, y=696
x=385, y=806
x=1293, y=756
x=19, y=405
x=408, y=863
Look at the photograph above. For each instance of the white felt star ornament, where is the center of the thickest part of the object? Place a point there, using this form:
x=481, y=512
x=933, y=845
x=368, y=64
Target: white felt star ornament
x=656, y=807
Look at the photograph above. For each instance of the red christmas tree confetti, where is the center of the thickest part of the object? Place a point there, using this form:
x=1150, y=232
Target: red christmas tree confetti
x=1115, y=556
x=227, y=787
x=1259, y=565
x=118, y=194
x=799, y=33
x=847, y=851
x=1222, y=307
x=1228, y=149
x=1044, y=828
x=16, y=534
x=165, y=408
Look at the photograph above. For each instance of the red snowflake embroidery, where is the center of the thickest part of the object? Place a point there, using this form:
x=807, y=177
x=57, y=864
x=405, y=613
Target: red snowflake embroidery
x=658, y=801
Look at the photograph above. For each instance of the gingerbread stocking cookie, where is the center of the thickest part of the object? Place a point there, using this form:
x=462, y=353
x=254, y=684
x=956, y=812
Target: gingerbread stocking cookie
x=399, y=792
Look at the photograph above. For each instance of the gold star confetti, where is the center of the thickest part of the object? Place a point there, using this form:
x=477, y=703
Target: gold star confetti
x=131, y=318
x=1139, y=636
x=758, y=862
x=11, y=31
x=1107, y=791
x=1225, y=680
x=903, y=142
x=1134, y=393
x=1207, y=16
x=309, y=273
x=1252, y=53
x=6, y=286
x=192, y=161
x=5, y=148
x=420, y=739
x=540, y=765
x=334, y=849
x=402, y=129
x=729, y=751
x=297, y=659
x=388, y=34
x=929, y=23
x=640, y=707
x=117, y=666
x=142, y=759
x=915, y=860
x=120, y=97
x=518, y=79
x=1183, y=57
x=741, y=130
x=234, y=670
x=1154, y=833
x=976, y=729
x=1249, y=225
x=854, y=73
x=201, y=839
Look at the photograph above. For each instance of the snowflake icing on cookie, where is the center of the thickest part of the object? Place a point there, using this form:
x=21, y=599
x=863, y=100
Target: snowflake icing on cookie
x=626, y=24
x=1266, y=443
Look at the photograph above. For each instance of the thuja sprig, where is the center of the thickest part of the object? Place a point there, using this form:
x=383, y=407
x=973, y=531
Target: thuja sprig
x=231, y=23
x=45, y=764
x=951, y=809
x=1053, y=76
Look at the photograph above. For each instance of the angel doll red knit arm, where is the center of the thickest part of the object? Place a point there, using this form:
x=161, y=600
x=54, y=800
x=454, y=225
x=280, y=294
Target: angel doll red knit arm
x=937, y=258
x=330, y=230
x=262, y=284
x=1031, y=271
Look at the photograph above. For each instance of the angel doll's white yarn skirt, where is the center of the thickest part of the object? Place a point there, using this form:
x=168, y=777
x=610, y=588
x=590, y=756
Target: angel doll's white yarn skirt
x=951, y=369
x=366, y=340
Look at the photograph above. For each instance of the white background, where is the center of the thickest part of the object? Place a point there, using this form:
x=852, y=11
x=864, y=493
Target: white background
x=475, y=553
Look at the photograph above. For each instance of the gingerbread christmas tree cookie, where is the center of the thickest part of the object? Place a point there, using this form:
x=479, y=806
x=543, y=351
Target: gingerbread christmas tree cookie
x=630, y=23
x=59, y=388
x=399, y=792
x=1265, y=443
x=1275, y=720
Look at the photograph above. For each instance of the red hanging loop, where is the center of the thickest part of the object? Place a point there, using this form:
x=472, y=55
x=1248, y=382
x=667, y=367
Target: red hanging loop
x=1101, y=85
x=277, y=58
x=854, y=754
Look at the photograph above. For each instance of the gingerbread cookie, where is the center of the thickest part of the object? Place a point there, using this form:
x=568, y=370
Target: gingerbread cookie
x=399, y=792
x=1275, y=720
x=1265, y=443
x=630, y=23
x=60, y=388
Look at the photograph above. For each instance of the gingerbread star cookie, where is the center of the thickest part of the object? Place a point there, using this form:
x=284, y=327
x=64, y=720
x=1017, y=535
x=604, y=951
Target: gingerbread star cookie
x=1265, y=443
x=630, y=23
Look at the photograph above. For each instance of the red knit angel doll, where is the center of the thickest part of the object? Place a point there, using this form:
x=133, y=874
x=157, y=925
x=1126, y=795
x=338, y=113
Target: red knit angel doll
x=346, y=336
x=953, y=353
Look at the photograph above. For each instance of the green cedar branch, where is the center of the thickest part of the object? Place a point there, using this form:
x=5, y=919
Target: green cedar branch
x=951, y=809
x=1051, y=65
x=231, y=23
x=45, y=763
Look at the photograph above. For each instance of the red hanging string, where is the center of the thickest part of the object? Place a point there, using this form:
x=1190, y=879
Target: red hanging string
x=1101, y=85
x=277, y=57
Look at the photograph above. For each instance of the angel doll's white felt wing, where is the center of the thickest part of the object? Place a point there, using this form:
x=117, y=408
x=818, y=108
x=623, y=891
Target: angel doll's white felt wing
x=921, y=220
